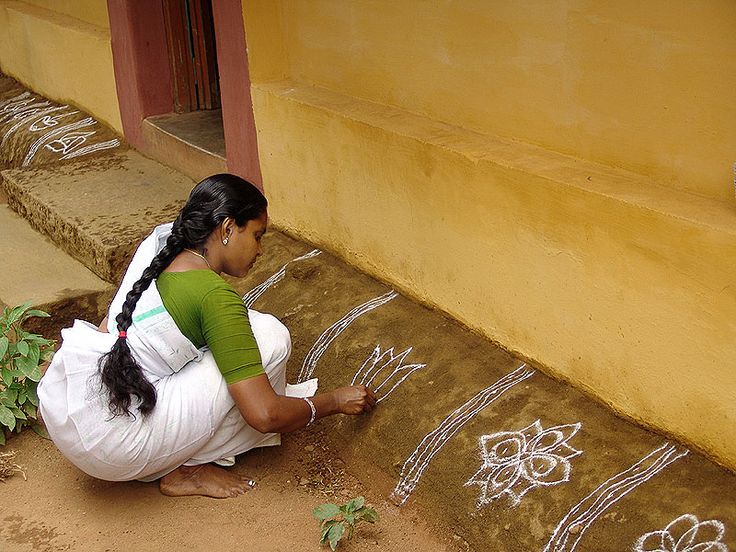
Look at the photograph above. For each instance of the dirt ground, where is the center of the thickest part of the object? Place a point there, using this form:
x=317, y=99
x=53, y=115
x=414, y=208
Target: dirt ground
x=60, y=508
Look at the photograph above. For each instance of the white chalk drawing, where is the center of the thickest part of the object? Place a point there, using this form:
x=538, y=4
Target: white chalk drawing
x=685, y=534
x=92, y=148
x=89, y=121
x=49, y=121
x=12, y=108
x=69, y=142
x=433, y=442
x=571, y=529
x=333, y=332
x=38, y=116
x=373, y=371
x=20, y=96
x=253, y=295
x=515, y=462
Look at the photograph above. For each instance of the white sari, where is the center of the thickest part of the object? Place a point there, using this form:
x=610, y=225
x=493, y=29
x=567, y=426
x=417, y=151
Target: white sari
x=195, y=420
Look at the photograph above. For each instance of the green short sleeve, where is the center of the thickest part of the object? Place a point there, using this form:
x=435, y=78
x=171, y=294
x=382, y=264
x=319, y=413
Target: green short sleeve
x=208, y=311
x=227, y=332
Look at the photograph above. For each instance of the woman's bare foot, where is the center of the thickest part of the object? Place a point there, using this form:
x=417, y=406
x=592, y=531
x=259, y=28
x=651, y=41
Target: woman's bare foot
x=204, y=480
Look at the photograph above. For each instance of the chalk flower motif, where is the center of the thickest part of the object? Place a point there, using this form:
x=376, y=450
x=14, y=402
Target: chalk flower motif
x=685, y=534
x=515, y=462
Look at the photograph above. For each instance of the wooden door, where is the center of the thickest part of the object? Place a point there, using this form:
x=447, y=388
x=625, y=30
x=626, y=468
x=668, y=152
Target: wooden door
x=190, y=35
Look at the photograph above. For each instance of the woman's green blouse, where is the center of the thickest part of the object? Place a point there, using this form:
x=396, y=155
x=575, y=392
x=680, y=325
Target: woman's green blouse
x=208, y=311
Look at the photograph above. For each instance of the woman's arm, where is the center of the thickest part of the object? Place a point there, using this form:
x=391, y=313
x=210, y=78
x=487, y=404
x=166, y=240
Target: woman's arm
x=268, y=412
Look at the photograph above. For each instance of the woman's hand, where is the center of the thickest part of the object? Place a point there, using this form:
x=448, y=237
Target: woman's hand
x=354, y=399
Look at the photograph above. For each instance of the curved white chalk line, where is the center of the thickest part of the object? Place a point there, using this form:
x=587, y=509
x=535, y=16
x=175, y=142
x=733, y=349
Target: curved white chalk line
x=508, y=461
x=89, y=121
x=334, y=331
x=585, y=512
x=37, y=115
x=254, y=294
x=21, y=96
x=92, y=148
x=431, y=444
x=681, y=535
x=368, y=374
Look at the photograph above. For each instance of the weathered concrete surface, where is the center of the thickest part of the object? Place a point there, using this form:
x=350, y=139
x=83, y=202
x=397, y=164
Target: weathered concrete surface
x=35, y=131
x=98, y=209
x=319, y=291
x=34, y=269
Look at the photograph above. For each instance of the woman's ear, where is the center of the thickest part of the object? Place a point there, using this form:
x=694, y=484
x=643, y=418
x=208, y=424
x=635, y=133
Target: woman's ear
x=226, y=229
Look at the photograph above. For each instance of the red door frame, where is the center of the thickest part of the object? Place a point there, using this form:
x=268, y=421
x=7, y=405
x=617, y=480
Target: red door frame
x=144, y=81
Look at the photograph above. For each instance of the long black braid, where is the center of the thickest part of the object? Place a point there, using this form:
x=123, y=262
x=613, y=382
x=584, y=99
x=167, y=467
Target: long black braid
x=210, y=203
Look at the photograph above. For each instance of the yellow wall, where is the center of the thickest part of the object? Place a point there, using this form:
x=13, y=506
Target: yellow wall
x=91, y=11
x=647, y=86
x=616, y=279
x=62, y=57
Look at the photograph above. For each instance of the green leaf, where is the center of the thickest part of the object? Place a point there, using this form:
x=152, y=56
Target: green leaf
x=2, y=436
x=326, y=526
x=16, y=313
x=9, y=397
x=326, y=511
x=26, y=366
x=31, y=392
x=367, y=514
x=3, y=346
x=35, y=375
x=7, y=418
x=18, y=413
x=349, y=519
x=7, y=376
x=354, y=504
x=31, y=411
x=23, y=348
x=335, y=534
x=39, y=430
x=34, y=352
x=36, y=313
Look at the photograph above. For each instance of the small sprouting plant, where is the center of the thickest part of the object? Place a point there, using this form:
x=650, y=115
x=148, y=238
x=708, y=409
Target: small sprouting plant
x=21, y=354
x=336, y=520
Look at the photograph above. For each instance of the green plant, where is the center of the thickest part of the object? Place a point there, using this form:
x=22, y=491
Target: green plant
x=21, y=354
x=336, y=520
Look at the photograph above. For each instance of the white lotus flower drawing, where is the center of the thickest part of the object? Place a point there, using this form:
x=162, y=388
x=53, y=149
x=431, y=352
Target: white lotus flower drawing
x=685, y=534
x=515, y=462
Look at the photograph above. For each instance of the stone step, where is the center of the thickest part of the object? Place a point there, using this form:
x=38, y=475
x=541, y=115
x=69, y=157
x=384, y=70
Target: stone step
x=34, y=269
x=193, y=143
x=98, y=209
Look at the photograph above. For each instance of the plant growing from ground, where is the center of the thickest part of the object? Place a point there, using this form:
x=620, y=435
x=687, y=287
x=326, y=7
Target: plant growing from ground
x=336, y=520
x=21, y=354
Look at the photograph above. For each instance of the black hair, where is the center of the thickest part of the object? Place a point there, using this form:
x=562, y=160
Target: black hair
x=211, y=201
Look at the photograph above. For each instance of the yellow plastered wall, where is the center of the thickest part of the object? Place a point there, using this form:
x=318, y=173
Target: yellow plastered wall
x=63, y=52
x=646, y=86
x=529, y=171
x=93, y=12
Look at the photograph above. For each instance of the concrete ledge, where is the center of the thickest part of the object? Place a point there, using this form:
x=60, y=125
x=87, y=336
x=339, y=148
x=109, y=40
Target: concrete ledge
x=612, y=282
x=73, y=62
x=174, y=150
x=35, y=270
x=98, y=210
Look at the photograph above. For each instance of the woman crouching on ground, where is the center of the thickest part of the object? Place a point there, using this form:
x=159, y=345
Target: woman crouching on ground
x=181, y=374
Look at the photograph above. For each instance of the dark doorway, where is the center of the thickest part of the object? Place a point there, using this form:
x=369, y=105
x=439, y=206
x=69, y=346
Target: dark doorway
x=190, y=35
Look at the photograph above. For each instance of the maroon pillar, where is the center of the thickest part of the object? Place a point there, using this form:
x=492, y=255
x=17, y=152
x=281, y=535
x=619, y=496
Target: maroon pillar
x=241, y=144
x=140, y=59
